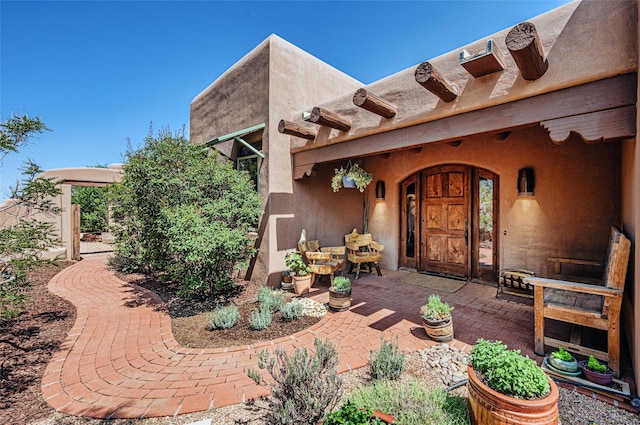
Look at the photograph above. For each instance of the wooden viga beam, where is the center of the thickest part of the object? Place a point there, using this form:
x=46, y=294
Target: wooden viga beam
x=293, y=129
x=321, y=116
x=373, y=103
x=432, y=80
x=525, y=48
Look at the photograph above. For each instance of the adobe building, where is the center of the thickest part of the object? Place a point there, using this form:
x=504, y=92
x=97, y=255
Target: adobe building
x=535, y=126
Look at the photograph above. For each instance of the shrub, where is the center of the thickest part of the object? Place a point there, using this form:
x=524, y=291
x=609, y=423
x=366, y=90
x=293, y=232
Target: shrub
x=270, y=299
x=348, y=413
x=388, y=362
x=341, y=284
x=305, y=386
x=184, y=215
x=507, y=371
x=224, y=317
x=260, y=319
x=435, y=309
x=297, y=265
x=412, y=404
x=291, y=311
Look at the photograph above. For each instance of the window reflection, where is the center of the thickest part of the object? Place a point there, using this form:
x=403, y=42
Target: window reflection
x=410, y=220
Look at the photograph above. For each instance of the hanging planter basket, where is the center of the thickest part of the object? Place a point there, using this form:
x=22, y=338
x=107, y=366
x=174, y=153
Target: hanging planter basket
x=351, y=176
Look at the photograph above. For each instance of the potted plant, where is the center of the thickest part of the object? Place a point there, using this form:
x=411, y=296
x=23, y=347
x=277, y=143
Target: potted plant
x=436, y=319
x=563, y=361
x=301, y=272
x=340, y=294
x=596, y=372
x=287, y=280
x=506, y=387
x=348, y=413
x=351, y=176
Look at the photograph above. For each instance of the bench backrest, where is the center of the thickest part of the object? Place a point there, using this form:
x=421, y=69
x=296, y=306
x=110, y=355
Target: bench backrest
x=615, y=269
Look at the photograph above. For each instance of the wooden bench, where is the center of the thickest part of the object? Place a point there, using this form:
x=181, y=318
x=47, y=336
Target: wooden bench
x=323, y=261
x=362, y=249
x=585, y=303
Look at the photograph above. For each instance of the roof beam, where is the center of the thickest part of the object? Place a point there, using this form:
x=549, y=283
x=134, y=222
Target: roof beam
x=526, y=49
x=372, y=103
x=429, y=78
x=321, y=116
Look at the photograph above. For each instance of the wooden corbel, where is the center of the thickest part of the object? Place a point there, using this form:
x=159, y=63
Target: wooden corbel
x=321, y=116
x=594, y=127
x=293, y=129
x=525, y=48
x=433, y=81
x=373, y=103
x=300, y=171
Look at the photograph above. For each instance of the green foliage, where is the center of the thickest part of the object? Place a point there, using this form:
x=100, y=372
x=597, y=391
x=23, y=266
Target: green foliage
x=291, y=311
x=270, y=299
x=297, y=265
x=359, y=175
x=349, y=414
x=507, y=371
x=435, y=309
x=94, y=210
x=260, y=319
x=224, y=317
x=255, y=376
x=341, y=284
x=184, y=215
x=595, y=365
x=388, y=362
x=305, y=386
x=412, y=403
x=24, y=239
x=563, y=355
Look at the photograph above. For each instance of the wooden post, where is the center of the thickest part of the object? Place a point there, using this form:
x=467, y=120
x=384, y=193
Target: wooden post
x=433, y=81
x=293, y=129
x=373, y=103
x=321, y=116
x=75, y=229
x=525, y=47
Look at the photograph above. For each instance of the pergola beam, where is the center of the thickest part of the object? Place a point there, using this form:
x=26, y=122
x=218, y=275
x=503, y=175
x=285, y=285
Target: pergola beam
x=372, y=103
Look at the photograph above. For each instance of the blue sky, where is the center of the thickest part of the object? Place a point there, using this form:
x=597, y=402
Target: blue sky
x=99, y=73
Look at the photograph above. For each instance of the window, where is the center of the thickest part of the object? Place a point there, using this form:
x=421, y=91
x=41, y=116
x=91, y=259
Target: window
x=248, y=161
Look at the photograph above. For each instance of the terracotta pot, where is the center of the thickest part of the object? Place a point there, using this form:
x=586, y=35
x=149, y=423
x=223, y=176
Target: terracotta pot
x=489, y=407
x=439, y=330
x=339, y=301
x=302, y=284
x=600, y=378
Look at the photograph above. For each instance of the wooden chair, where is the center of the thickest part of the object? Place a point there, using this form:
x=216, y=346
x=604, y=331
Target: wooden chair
x=585, y=304
x=323, y=261
x=362, y=249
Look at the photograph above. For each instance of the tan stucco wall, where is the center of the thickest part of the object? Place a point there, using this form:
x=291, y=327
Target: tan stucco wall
x=577, y=195
x=582, y=41
x=270, y=81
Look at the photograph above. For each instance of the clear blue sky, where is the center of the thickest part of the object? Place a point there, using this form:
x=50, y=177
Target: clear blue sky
x=99, y=72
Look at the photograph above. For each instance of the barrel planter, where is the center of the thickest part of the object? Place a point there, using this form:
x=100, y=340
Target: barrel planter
x=339, y=301
x=439, y=330
x=489, y=407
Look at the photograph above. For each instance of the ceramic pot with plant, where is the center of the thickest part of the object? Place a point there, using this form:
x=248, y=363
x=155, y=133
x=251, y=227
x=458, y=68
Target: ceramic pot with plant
x=301, y=273
x=596, y=372
x=351, y=176
x=287, y=280
x=436, y=319
x=506, y=387
x=348, y=413
x=340, y=294
x=563, y=361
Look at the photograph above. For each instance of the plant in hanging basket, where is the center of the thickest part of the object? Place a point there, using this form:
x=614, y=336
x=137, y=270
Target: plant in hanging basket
x=360, y=177
x=596, y=372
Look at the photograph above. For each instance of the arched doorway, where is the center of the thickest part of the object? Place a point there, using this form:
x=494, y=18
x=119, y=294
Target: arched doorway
x=449, y=222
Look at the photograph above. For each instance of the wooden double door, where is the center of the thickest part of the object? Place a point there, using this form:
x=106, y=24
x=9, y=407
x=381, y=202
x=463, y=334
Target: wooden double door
x=449, y=219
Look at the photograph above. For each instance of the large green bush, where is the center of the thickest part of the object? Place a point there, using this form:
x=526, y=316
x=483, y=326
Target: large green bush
x=94, y=210
x=183, y=214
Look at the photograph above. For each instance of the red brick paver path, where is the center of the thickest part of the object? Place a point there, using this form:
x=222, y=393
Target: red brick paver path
x=121, y=360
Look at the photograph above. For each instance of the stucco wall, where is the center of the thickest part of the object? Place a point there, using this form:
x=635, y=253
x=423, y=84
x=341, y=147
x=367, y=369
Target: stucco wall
x=577, y=195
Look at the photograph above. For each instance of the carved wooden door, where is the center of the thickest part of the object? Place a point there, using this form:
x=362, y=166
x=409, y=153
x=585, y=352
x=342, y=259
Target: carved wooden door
x=445, y=220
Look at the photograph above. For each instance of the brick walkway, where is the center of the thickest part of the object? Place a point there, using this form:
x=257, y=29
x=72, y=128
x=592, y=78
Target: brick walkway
x=120, y=359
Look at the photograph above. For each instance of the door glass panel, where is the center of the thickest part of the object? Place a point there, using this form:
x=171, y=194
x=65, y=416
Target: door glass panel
x=411, y=220
x=486, y=222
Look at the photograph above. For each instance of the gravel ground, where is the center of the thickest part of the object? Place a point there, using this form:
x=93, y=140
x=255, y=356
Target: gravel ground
x=574, y=408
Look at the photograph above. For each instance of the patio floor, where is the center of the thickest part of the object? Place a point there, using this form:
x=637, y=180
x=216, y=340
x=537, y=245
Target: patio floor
x=120, y=359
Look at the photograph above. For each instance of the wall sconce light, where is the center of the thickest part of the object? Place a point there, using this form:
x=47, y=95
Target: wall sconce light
x=380, y=191
x=525, y=182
